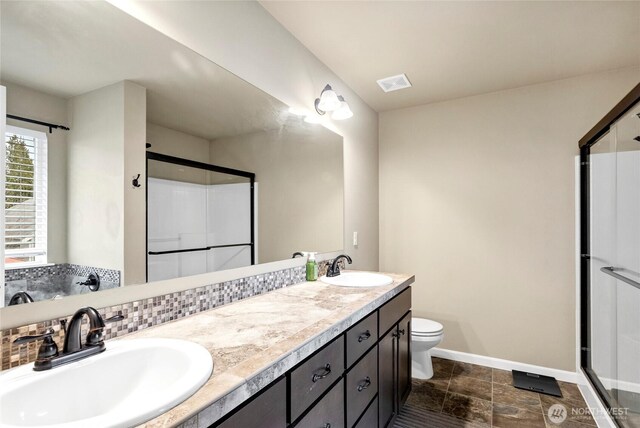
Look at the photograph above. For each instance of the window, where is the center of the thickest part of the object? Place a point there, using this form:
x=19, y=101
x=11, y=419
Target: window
x=25, y=198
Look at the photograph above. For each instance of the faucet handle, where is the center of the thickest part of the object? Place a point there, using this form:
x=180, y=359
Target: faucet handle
x=26, y=339
x=48, y=349
x=96, y=336
x=118, y=317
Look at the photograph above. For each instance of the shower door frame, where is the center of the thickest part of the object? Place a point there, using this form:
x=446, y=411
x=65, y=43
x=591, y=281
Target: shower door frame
x=209, y=167
x=585, y=144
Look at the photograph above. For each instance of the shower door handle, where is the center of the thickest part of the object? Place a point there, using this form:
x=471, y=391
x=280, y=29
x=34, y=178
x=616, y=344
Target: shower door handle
x=610, y=270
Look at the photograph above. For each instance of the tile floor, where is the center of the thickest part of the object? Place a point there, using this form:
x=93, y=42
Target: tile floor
x=466, y=395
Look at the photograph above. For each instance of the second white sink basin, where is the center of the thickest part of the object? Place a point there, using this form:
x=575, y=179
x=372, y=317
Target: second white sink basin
x=358, y=279
x=131, y=382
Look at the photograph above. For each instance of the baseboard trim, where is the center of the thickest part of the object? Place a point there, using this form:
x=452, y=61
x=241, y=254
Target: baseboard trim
x=498, y=363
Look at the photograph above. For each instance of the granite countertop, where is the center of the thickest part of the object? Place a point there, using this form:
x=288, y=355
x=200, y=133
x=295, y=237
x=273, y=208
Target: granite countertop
x=256, y=340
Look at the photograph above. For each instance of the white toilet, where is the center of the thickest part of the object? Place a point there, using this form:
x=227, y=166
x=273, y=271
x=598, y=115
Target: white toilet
x=425, y=334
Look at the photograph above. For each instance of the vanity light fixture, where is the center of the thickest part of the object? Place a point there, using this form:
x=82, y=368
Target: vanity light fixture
x=343, y=112
x=330, y=101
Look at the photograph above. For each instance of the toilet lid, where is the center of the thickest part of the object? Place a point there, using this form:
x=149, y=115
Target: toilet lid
x=424, y=327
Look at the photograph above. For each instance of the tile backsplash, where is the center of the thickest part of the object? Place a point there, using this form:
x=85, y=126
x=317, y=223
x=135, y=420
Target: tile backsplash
x=141, y=314
x=145, y=313
x=51, y=281
x=34, y=272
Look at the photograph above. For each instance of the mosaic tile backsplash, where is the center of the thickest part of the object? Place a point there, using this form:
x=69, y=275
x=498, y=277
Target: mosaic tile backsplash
x=141, y=314
x=48, y=282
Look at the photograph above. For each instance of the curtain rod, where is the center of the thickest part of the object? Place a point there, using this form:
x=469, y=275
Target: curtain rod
x=51, y=126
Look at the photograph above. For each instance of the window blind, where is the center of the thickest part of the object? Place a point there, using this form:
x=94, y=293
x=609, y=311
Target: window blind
x=25, y=237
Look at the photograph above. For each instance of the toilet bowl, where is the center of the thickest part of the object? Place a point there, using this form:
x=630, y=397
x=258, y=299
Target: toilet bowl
x=425, y=334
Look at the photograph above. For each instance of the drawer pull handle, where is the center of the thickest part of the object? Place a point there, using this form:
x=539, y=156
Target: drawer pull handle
x=364, y=336
x=326, y=372
x=365, y=384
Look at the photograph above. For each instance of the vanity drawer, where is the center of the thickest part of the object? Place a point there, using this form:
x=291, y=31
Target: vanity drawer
x=361, y=337
x=327, y=412
x=267, y=410
x=394, y=310
x=315, y=375
x=370, y=417
x=362, y=385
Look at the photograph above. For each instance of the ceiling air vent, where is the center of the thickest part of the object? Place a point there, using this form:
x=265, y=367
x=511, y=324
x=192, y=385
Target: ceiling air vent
x=394, y=83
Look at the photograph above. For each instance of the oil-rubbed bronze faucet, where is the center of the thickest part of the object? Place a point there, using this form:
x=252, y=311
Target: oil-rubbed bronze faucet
x=73, y=337
x=334, y=269
x=20, y=298
x=48, y=355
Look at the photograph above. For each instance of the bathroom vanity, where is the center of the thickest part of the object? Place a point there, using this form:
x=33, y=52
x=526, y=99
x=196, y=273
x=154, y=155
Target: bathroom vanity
x=362, y=377
x=308, y=355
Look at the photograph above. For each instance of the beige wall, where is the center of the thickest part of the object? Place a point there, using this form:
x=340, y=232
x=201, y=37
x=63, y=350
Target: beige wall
x=175, y=143
x=477, y=199
x=135, y=202
x=246, y=40
x=26, y=102
x=300, y=187
x=106, y=147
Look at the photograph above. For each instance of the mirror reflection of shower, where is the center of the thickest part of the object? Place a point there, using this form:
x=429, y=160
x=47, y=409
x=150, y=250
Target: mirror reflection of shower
x=200, y=218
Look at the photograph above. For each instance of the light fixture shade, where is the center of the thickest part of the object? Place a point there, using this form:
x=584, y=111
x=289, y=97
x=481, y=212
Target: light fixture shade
x=343, y=112
x=328, y=100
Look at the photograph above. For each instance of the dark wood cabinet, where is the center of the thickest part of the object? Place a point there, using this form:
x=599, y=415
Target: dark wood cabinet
x=393, y=310
x=394, y=358
x=316, y=375
x=358, y=380
x=404, y=359
x=267, y=410
x=370, y=417
x=361, y=337
x=361, y=386
x=328, y=412
x=386, y=378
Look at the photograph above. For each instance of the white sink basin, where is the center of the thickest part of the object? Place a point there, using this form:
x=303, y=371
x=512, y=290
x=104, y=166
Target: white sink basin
x=358, y=279
x=131, y=382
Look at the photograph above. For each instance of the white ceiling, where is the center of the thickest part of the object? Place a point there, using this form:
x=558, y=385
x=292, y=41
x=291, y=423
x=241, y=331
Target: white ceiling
x=455, y=49
x=67, y=48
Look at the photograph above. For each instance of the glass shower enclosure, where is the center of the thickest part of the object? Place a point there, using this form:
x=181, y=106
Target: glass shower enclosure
x=610, y=260
x=200, y=217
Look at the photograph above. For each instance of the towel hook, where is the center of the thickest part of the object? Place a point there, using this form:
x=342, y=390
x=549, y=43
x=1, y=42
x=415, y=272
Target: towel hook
x=135, y=182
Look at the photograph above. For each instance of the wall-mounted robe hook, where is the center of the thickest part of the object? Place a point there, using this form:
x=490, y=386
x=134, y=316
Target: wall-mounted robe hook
x=134, y=182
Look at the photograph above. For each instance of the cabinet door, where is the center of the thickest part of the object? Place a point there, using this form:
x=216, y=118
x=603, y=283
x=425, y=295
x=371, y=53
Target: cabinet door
x=267, y=410
x=328, y=412
x=404, y=359
x=393, y=310
x=370, y=417
x=315, y=376
x=386, y=378
x=361, y=386
x=361, y=337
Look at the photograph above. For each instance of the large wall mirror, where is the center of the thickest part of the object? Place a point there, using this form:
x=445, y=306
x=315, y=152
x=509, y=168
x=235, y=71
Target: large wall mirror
x=171, y=166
